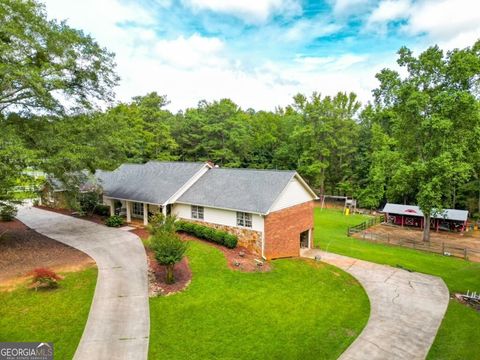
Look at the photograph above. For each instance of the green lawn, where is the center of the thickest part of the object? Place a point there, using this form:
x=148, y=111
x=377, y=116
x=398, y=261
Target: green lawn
x=57, y=315
x=299, y=310
x=459, y=334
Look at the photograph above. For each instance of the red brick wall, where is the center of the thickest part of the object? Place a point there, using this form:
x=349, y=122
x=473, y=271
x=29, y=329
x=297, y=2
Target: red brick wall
x=283, y=228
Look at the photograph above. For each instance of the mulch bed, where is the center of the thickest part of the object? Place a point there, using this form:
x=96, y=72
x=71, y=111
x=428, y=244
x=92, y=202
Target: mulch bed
x=141, y=233
x=23, y=249
x=157, y=274
x=94, y=217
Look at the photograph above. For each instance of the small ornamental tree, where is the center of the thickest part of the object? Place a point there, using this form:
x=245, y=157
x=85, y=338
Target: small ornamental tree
x=169, y=249
x=44, y=278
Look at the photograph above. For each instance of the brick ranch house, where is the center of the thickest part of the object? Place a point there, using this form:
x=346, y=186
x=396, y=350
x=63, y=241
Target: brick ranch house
x=270, y=211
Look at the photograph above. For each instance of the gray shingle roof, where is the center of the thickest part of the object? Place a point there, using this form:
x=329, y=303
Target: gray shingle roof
x=246, y=190
x=154, y=182
x=413, y=210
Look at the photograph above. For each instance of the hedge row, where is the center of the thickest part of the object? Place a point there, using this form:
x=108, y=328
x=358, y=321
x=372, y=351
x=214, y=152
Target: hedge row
x=207, y=233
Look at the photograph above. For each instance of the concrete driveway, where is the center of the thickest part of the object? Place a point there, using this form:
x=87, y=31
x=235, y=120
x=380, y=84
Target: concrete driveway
x=118, y=325
x=406, y=309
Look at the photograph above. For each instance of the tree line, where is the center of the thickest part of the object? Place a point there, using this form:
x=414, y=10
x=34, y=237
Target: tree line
x=416, y=142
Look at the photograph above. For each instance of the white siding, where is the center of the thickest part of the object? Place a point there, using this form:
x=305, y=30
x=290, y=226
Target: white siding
x=217, y=216
x=294, y=194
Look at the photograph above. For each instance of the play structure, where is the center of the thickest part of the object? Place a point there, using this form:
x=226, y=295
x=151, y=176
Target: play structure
x=349, y=205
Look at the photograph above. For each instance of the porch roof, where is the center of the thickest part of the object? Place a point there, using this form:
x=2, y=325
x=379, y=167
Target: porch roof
x=154, y=182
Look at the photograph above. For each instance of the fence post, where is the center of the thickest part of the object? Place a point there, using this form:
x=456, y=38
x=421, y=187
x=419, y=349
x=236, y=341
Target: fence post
x=465, y=253
x=348, y=231
x=443, y=247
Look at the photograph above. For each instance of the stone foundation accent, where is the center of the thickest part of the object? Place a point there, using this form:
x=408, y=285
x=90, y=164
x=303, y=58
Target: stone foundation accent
x=250, y=239
x=283, y=228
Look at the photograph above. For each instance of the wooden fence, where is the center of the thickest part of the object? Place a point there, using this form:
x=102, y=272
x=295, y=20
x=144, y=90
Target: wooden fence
x=443, y=248
x=365, y=225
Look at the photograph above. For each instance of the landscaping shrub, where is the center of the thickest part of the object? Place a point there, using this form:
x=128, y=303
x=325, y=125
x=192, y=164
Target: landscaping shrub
x=207, y=233
x=102, y=210
x=7, y=211
x=44, y=278
x=159, y=223
x=114, y=221
x=169, y=249
x=230, y=241
x=88, y=201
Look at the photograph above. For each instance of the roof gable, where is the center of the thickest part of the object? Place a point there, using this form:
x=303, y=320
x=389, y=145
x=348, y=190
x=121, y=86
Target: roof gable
x=248, y=190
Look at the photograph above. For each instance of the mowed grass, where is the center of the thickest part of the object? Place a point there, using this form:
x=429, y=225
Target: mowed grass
x=299, y=310
x=459, y=334
x=57, y=316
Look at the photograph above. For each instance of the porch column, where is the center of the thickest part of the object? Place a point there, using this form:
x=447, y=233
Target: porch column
x=112, y=207
x=164, y=210
x=145, y=214
x=128, y=205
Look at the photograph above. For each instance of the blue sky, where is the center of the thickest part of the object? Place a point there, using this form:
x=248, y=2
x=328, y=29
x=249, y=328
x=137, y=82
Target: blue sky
x=260, y=53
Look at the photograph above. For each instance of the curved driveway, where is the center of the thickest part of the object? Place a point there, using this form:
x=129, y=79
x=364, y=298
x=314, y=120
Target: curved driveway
x=406, y=309
x=118, y=324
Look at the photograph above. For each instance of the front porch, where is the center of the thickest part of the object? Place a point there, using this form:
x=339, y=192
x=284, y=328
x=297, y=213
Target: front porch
x=136, y=213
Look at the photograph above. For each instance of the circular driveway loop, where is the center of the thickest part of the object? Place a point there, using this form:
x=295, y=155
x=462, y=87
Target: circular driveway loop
x=406, y=309
x=118, y=324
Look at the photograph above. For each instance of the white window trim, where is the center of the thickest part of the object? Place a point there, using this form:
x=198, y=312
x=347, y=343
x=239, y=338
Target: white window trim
x=195, y=212
x=243, y=217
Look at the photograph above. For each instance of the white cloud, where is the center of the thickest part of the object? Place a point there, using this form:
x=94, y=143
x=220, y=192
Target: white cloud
x=309, y=29
x=450, y=23
x=345, y=8
x=194, y=51
x=453, y=23
x=251, y=11
x=390, y=10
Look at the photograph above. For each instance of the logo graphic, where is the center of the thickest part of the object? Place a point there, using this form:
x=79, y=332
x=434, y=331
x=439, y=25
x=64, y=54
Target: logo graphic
x=26, y=351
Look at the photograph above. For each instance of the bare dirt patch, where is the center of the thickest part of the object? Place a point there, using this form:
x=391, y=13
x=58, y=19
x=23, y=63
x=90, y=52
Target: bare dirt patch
x=23, y=249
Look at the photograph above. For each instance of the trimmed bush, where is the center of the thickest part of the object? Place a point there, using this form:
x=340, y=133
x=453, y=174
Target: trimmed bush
x=207, y=233
x=114, y=221
x=230, y=241
x=7, y=211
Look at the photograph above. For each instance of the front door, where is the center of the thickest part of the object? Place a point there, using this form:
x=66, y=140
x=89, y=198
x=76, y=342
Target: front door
x=304, y=239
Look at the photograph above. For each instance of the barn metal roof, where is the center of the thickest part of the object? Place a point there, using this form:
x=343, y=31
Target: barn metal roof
x=413, y=210
x=248, y=190
x=154, y=182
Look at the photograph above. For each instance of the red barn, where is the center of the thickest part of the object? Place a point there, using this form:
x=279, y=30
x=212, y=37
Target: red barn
x=411, y=215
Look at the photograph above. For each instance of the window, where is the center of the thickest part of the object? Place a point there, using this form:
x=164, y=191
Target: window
x=244, y=219
x=197, y=212
x=137, y=209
